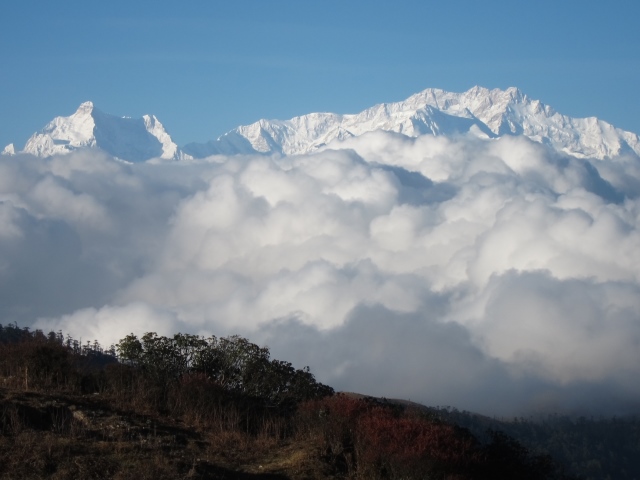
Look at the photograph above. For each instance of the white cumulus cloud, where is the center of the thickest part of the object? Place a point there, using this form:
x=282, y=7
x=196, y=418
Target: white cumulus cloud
x=492, y=275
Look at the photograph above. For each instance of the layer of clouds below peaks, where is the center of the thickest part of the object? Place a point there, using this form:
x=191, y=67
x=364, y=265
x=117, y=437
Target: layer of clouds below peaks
x=489, y=275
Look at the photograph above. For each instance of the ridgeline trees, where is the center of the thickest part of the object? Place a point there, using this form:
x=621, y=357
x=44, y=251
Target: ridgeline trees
x=233, y=364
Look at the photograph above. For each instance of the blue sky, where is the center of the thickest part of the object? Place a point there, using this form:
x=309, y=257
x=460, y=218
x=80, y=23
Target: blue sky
x=204, y=67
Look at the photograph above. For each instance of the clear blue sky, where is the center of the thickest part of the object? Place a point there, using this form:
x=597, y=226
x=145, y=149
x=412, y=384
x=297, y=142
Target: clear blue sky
x=204, y=67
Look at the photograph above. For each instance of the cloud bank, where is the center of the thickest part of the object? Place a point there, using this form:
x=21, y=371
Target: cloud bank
x=495, y=276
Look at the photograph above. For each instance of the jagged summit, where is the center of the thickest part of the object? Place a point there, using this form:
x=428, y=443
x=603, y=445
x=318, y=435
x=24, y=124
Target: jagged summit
x=86, y=106
x=490, y=113
x=132, y=139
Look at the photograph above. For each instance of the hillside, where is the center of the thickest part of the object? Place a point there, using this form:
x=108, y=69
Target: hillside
x=72, y=411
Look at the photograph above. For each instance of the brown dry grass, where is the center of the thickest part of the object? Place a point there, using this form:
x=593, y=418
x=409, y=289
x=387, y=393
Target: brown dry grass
x=72, y=437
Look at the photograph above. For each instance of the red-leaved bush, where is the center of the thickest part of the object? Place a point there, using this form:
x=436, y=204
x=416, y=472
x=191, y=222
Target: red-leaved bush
x=370, y=440
x=393, y=446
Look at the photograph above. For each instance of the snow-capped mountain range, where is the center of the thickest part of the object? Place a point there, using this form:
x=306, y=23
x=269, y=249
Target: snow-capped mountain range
x=478, y=111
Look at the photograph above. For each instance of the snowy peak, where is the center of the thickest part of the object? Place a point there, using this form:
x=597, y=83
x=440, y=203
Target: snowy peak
x=9, y=150
x=483, y=112
x=127, y=138
x=64, y=134
x=85, y=108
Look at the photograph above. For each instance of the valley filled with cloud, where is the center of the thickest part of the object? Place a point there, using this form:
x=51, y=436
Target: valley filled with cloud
x=491, y=275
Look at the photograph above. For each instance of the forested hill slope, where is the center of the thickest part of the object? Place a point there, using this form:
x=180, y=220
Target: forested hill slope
x=193, y=407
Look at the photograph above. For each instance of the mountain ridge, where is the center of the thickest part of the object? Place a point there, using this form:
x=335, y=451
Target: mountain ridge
x=478, y=111
x=434, y=111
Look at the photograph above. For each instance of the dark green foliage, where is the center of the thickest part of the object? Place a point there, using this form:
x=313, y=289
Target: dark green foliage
x=233, y=364
x=33, y=360
x=590, y=448
x=594, y=448
x=12, y=334
x=154, y=371
x=506, y=458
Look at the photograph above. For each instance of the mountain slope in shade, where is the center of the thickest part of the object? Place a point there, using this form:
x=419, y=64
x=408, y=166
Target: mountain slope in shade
x=490, y=113
x=132, y=139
